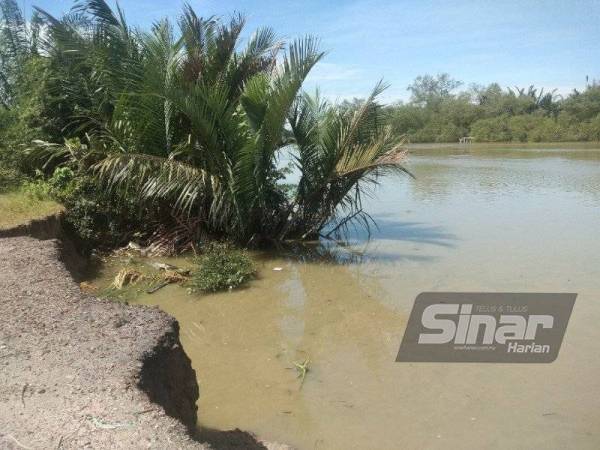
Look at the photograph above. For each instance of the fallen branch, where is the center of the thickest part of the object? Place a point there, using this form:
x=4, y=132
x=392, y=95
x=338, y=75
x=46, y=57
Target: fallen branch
x=156, y=288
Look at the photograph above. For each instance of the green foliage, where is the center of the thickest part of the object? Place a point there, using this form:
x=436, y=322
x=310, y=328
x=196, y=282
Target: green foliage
x=590, y=131
x=194, y=123
x=492, y=130
x=341, y=155
x=95, y=219
x=222, y=266
x=584, y=105
x=60, y=186
x=18, y=42
x=136, y=130
x=535, y=128
x=10, y=179
x=100, y=220
x=491, y=114
x=429, y=91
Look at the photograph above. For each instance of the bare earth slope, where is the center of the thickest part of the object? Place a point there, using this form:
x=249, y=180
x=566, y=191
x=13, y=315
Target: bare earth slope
x=70, y=364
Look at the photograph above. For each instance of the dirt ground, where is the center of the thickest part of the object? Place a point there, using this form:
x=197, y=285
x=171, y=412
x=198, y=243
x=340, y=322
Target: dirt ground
x=78, y=372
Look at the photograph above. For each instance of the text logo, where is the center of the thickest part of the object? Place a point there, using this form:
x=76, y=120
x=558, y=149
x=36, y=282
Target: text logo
x=486, y=327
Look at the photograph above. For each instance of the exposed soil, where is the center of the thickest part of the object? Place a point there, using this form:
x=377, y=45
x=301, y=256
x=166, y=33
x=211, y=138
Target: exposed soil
x=79, y=372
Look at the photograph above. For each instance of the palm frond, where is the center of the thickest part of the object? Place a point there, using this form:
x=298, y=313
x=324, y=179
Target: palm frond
x=341, y=155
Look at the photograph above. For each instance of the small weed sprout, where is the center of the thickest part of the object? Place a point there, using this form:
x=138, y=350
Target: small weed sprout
x=302, y=368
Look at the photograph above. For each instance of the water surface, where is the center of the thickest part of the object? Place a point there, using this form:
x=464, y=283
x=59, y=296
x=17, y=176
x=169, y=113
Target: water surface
x=493, y=218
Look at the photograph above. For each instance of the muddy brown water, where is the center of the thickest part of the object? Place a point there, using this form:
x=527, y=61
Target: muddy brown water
x=494, y=218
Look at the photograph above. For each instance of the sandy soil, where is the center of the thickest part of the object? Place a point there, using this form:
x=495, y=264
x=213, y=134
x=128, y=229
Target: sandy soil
x=78, y=372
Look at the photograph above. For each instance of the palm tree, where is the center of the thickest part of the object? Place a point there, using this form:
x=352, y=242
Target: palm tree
x=93, y=57
x=224, y=167
x=341, y=154
x=547, y=102
x=195, y=124
x=18, y=42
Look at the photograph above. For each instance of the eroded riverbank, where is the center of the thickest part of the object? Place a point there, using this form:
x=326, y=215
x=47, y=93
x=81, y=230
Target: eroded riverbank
x=72, y=363
x=79, y=372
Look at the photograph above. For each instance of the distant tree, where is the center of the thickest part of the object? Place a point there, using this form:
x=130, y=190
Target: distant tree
x=584, y=105
x=493, y=114
x=429, y=90
x=547, y=102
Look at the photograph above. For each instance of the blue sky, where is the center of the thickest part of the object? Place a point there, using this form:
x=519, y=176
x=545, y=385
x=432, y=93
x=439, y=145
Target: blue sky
x=552, y=44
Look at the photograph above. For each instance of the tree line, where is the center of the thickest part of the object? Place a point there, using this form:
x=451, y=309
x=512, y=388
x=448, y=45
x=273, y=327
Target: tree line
x=439, y=112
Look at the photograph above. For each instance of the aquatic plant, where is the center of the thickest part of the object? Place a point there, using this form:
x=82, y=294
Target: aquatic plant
x=221, y=266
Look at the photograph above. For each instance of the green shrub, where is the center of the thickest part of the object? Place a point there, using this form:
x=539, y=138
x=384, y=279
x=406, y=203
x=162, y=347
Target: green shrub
x=10, y=179
x=93, y=217
x=38, y=188
x=60, y=186
x=591, y=130
x=222, y=267
x=98, y=218
x=495, y=129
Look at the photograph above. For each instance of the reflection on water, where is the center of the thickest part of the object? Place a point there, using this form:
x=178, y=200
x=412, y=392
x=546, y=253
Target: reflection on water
x=473, y=220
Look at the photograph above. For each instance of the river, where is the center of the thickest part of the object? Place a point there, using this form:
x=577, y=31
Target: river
x=478, y=218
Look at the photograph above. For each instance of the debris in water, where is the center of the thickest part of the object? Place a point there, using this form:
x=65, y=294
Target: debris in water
x=157, y=287
x=169, y=268
x=174, y=276
x=162, y=266
x=127, y=276
x=131, y=249
x=169, y=276
x=134, y=246
x=277, y=269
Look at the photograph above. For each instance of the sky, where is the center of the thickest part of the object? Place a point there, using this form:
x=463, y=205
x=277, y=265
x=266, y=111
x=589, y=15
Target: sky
x=549, y=43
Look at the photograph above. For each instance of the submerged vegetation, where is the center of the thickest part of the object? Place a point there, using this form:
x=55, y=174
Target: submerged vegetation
x=177, y=133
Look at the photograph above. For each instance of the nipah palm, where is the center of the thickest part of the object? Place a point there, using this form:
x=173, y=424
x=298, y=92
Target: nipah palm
x=199, y=123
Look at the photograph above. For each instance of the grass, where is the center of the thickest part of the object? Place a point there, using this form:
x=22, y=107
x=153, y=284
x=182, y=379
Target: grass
x=18, y=208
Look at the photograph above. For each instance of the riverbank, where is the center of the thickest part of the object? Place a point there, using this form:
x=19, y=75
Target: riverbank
x=79, y=372
x=499, y=147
